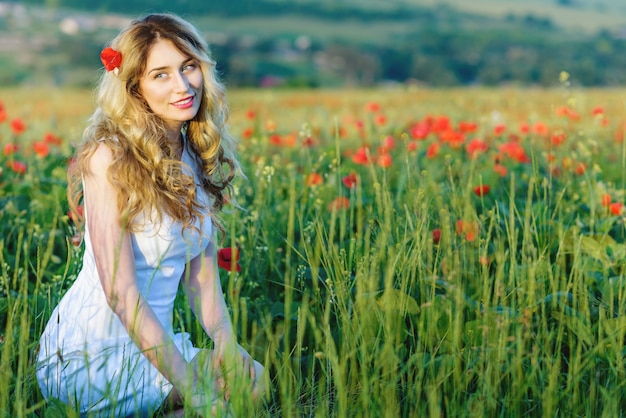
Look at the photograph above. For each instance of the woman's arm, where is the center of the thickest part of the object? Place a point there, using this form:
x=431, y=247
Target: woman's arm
x=116, y=268
x=230, y=362
x=204, y=292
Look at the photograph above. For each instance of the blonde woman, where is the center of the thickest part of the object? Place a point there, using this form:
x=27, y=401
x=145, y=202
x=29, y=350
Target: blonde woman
x=151, y=173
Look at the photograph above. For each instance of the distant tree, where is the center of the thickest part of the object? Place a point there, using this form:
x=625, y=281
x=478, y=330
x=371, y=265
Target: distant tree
x=395, y=64
x=354, y=66
x=432, y=70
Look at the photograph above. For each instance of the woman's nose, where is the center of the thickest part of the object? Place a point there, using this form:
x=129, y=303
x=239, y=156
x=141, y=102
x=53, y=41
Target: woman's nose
x=182, y=84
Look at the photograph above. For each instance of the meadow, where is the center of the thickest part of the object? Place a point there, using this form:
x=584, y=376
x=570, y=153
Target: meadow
x=403, y=252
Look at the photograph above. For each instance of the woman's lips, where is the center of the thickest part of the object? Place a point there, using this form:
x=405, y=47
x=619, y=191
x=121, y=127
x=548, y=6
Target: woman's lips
x=185, y=103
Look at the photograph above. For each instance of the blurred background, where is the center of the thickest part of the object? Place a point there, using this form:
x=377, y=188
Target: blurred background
x=324, y=43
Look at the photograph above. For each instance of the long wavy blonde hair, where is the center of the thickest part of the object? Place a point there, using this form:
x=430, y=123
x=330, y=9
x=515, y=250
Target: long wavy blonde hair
x=146, y=170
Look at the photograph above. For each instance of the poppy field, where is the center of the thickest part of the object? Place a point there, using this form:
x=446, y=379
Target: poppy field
x=400, y=252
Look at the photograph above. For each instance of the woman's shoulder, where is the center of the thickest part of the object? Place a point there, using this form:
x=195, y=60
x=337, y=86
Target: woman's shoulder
x=101, y=158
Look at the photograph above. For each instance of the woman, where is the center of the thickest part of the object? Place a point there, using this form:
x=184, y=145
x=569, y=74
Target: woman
x=151, y=173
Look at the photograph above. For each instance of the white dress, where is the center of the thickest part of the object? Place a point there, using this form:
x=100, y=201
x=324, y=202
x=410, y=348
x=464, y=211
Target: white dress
x=86, y=358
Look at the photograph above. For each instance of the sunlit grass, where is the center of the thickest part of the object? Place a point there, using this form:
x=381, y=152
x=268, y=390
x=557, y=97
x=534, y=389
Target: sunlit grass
x=412, y=295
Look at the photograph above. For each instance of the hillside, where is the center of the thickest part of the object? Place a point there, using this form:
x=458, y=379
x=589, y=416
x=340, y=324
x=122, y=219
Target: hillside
x=579, y=15
x=576, y=15
x=333, y=43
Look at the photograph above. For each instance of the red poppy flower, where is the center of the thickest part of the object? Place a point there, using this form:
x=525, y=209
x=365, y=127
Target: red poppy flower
x=471, y=234
x=372, y=107
x=384, y=160
x=469, y=229
x=18, y=126
x=499, y=129
x=3, y=115
x=350, y=181
x=540, y=128
x=558, y=138
x=604, y=121
x=10, y=149
x=51, y=139
x=567, y=112
x=433, y=150
x=250, y=114
x=380, y=119
x=111, y=59
x=453, y=138
x=308, y=142
x=476, y=146
x=467, y=127
x=342, y=132
x=436, y=235
x=289, y=140
x=339, y=203
x=482, y=190
x=514, y=151
x=420, y=130
x=606, y=199
x=361, y=156
x=314, y=179
x=580, y=168
x=276, y=139
x=41, y=148
x=561, y=110
x=616, y=208
x=228, y=259
x=441, y=124
x=500, y=170
x=524, y=128
x=388, y=143
x=18, y=167
x=459, y=226
x=247, y=133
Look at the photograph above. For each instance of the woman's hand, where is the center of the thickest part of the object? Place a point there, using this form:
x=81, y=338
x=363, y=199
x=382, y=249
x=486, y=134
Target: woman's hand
x=207, y=403
x=217, y=373
x=232, y=367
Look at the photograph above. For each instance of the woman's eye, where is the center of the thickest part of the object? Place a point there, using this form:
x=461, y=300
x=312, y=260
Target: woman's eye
x=189, y=67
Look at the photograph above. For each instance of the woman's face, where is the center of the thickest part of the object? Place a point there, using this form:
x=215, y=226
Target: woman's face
x=171, y=85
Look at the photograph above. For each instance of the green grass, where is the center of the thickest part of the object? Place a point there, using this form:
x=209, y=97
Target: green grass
x=361, y=311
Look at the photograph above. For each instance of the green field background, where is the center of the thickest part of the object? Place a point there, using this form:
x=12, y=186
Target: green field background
x=410, y=291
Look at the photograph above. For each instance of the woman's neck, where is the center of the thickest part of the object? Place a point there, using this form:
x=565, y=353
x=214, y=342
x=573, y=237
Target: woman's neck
x=175, y=140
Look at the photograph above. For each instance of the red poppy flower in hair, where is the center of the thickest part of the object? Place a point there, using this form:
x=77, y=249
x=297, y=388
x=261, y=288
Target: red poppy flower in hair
x=111, y=59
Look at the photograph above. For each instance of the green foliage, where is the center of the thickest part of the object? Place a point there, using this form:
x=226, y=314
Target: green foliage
x=356, y=308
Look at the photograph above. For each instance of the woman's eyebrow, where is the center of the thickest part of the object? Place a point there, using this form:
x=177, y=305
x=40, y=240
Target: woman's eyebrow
x=186, y=61
x=158, y=69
